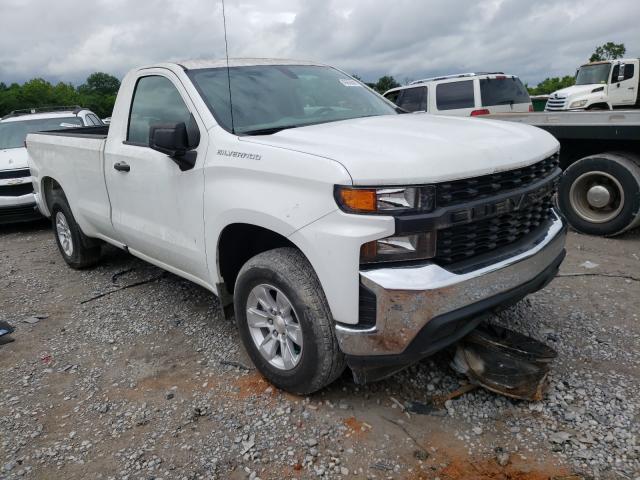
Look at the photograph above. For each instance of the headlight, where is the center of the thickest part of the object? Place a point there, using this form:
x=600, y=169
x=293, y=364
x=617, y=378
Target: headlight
x=578, y=104
x=418, y=246
x=386, y=200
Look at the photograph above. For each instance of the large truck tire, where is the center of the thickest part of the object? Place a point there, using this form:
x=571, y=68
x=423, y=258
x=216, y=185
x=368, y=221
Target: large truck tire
x=78, y=250
x=600, y=194
x=285, y=322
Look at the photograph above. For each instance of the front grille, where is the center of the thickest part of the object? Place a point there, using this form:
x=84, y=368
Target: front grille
x=459, y=191
x=556, y=104
x=16, y=190
x=23, y=172
x=462, y=242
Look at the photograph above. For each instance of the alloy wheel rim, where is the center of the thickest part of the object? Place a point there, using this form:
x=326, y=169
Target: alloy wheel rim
x=64, y=234
x=597, y=197
x=274, y=326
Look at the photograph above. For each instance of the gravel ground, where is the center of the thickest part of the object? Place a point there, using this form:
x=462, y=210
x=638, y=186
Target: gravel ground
x=147, y=382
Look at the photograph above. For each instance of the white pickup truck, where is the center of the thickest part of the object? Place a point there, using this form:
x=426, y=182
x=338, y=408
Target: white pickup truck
x=343, y=232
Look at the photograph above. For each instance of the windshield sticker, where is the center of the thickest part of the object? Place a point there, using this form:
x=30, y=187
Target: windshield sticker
x=348, y=82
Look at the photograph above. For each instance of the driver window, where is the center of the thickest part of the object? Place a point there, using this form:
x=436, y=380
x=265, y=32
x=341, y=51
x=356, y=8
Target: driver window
x=155, y=101
x=628, y=71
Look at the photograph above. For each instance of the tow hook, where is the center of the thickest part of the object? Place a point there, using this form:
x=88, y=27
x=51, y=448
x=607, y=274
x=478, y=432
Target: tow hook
x=505, y=362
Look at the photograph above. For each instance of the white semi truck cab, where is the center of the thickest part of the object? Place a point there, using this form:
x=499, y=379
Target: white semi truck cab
x=341, y=231
x=600, y=86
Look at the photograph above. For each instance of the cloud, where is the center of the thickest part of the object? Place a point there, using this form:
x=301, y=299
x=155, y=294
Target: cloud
x=67, y=40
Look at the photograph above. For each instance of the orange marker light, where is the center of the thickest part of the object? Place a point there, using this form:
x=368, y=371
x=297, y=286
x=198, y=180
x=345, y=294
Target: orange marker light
x=358, y=200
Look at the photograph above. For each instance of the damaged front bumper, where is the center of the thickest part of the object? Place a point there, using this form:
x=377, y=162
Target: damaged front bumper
x=423, y=309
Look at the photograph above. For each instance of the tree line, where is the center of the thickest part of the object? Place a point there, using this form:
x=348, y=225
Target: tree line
x=97, y=93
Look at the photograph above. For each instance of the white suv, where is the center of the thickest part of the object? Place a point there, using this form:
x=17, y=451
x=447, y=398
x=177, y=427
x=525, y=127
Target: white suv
x=17, y=202
x=465, y=94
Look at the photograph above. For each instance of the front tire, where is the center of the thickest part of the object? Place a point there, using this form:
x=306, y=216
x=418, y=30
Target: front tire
x=78, y=250
x=285, y=322
x=600, y=194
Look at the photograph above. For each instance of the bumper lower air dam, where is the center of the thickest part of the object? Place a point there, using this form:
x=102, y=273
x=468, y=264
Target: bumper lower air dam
x=421, y=310
x=19, y=213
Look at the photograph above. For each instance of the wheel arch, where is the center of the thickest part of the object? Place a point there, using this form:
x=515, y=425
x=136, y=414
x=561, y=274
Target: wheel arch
x=49, y=186
x=237, y=243
x=599, y=106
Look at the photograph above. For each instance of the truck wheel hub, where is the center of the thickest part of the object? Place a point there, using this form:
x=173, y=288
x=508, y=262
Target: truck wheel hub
x=279, y=324
x=64, y=234
x=598, y=196
x=274, y=326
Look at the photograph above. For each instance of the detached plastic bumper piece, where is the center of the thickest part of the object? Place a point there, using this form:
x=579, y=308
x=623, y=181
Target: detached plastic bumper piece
x=505, y=362
x=5, y=330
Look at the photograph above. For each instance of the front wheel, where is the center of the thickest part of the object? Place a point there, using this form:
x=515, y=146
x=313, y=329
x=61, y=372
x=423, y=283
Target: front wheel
x=600, y=194
x=285, y=323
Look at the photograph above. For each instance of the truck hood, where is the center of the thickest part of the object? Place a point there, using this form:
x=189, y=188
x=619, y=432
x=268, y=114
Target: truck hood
x=576, y=91
x=417, y=148
x=13, y=158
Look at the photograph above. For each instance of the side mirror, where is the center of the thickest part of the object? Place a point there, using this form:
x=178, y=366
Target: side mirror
x=177, y=141
x=621, y=73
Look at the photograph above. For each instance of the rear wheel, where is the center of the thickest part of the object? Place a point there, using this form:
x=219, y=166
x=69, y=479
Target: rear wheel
x=600, y=194
x=78, y=250
x=285, y=323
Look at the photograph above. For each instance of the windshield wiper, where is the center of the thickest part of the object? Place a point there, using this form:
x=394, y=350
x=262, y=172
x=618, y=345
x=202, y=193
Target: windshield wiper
x=269, y=130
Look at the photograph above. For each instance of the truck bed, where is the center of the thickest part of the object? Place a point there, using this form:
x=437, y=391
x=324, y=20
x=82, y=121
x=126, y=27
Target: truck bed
x=99, y=132
x=620, y=125
x=75, y=158
x=584, y=133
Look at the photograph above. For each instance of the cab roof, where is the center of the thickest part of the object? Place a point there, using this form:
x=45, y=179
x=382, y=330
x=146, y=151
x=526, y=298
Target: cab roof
x=198, y=64
x=621, y=60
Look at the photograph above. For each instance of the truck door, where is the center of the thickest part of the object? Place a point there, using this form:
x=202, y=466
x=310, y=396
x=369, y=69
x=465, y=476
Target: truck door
x=624, y=84
x=156, y=207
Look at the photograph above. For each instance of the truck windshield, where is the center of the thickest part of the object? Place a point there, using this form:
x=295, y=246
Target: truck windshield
x=590, y=74
x=13, y=134
x=269, y=98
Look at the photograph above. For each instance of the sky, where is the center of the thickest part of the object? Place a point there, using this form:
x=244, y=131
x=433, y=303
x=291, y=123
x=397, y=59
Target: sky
x=66, y=40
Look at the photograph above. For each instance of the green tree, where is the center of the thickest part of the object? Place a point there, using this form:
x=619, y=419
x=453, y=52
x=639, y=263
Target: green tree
x=385, y=83
x=608, y=51
x=100, y=83
x=550, y=85
x=98, y=93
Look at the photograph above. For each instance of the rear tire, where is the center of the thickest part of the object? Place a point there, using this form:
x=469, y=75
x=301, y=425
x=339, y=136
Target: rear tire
x=288, y=311
x=78, y=250
x=600, y=194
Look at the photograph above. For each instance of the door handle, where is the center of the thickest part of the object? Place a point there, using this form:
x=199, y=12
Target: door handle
x=122, y=166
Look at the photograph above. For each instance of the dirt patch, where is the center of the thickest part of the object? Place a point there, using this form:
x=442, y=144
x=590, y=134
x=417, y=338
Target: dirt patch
x=356, y=427
x=489, y=469
x=252, y=384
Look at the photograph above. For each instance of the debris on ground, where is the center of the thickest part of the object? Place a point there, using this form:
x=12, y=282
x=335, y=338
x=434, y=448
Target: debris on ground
x=505, y=362
x=589, y=264
x=5, y=330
